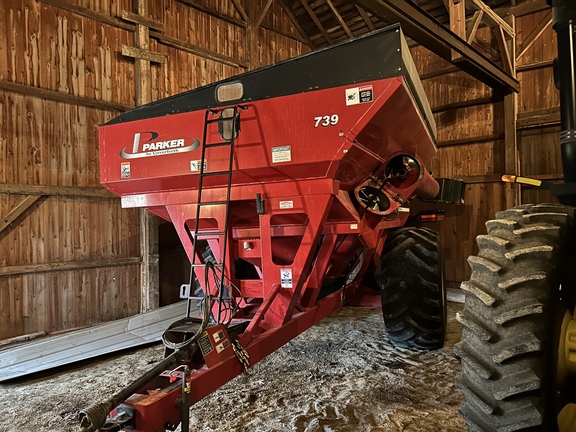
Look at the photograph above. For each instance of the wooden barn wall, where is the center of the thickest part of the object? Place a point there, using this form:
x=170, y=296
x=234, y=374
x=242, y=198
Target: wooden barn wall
x=72, y=257
x=471, y=139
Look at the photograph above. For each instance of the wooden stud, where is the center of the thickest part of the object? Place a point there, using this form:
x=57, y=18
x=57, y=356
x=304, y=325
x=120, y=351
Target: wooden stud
x=63, y=191
x=533, y=37
x=67, y=266
x=492, y=16
x=20, y=208
x=339, y=18
x=366, y=18
x=317, y=21
x=473, y=26
x=142, y=54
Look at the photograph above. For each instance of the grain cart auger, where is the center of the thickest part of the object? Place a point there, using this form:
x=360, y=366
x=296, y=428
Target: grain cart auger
x=282, y=184
x=518, y=348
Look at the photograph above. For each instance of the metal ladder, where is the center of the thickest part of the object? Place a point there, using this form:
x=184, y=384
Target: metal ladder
x=227, y=141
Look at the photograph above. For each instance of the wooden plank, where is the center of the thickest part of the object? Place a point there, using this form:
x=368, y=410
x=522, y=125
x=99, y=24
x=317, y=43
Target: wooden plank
x=466, y=103
x=339, y=19
x=20, y=208
x=143, y=54
x=470, y=140
x=539, y=118
x=138, y=19
x=533, y=37
x=89, y=13
x=231, y=20
x=262, y=14
x=296, y=24
x=366, y=18
x=317, y=21
x=240, y=10
x=67, y=266
x=473, y=25
x=457, y=14
x=59, y=96
x=534, y=65
x=63, y=191
x=196, y=50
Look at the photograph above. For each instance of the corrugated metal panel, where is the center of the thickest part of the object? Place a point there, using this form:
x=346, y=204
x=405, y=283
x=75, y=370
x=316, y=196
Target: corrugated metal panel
x=88, y=343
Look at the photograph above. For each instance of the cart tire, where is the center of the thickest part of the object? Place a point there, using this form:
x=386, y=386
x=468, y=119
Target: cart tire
x=510, y=329
x=413, y=296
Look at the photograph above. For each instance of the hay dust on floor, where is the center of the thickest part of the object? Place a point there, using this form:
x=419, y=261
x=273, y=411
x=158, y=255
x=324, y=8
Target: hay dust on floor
x=340, y=375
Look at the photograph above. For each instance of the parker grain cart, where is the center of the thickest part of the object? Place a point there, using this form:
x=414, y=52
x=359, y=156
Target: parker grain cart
x=284, y=185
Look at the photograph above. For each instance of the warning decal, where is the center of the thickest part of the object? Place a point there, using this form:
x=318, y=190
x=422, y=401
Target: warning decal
x=205, y=344
x=125, y=169
x=281, y=154
x=358, y=95
x=286, y=278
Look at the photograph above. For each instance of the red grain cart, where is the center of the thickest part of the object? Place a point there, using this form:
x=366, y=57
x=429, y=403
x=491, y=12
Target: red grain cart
x=284, y=185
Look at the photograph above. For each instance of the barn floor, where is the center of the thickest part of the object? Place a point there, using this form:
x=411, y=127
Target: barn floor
x=341, y=375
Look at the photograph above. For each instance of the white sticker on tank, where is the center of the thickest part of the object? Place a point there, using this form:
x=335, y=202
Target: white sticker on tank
x=286, y=278
x=286, y=204
x=195, y=165
x=281, y=154
x=358, y=95
x=125, y=169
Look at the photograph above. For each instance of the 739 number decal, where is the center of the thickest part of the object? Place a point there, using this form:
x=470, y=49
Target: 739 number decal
x=326, y=120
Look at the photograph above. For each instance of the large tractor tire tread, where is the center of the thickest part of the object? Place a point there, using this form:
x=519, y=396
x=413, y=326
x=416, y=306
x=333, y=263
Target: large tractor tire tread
x=507, y=321
x=413, y=303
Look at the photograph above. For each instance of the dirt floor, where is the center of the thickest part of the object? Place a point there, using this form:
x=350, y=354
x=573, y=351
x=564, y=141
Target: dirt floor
x=341, y=375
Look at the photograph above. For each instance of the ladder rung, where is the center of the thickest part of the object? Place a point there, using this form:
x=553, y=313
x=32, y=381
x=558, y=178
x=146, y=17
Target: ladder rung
x=206, y=203
x=209, y=233
x=216, y=173
x=219, y=120
x=218, y=144
x=204, y=265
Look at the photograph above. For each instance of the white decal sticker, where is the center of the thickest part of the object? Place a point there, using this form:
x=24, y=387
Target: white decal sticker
x=353, y=226
x=358, y=95
x=125, y=169
x=221, y=347
x=286, y=204
x=195, y=165
x=281, y=154
x=326, y=120
x=286, y=277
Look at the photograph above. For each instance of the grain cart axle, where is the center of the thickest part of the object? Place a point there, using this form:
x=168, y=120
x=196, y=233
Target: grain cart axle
x=282, y=184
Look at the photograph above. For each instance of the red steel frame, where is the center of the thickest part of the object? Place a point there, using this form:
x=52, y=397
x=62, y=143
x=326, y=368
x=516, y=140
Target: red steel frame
x=307, y=201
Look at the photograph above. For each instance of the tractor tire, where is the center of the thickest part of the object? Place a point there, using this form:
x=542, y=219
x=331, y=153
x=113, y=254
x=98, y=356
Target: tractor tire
x=510, y=324
x=413, y=295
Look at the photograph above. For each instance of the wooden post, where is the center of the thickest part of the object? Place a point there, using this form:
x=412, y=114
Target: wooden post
x=255, y=18
x=149, y=270
x=512, y=163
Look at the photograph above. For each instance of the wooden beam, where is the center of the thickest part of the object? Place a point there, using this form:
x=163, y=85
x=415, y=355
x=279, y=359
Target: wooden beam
x=20, y=208
x=231, y=20
x=262, y=14
x=366, y=18
x=539, y=118
x=150, y=267
x=143, y=54
x=492, y=16
x=89, y=13
x=296, y=24
x=534, y=65
x=58, y=96
x=317, y=22
x=240, y=10
x=196, y=50
x=467, y=103
x=137, y=19
x=533, y=37
x=507, y=60
x=471, y=140
x=434, y=36
x=527, y=7
x=473, y=25
x=62, y=191
x=67, y=266
x=339, y=18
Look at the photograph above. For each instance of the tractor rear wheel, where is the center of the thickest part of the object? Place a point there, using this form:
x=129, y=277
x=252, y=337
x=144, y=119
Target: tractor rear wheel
x=516, y=299
x=413, y=296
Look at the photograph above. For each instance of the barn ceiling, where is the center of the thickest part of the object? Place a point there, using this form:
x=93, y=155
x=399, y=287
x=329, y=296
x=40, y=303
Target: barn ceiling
x=425, y=22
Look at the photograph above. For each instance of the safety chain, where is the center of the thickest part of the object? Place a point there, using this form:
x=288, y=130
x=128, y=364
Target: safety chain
x=241, y=354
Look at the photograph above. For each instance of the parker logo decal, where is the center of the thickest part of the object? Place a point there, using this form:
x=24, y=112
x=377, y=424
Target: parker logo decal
x=147, y=144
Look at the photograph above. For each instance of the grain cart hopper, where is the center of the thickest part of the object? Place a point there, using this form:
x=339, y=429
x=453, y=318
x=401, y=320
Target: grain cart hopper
x=282, y=184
